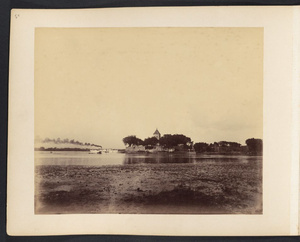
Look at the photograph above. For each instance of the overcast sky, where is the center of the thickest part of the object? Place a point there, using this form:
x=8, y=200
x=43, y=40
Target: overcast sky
x=99, y=85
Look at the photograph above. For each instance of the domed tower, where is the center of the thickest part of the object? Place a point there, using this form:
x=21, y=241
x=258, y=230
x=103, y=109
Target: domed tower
x=156, y=134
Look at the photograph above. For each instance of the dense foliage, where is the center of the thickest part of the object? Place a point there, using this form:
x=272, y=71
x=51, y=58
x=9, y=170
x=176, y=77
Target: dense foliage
x=132, y=140
x=180, y=142
x=151, y=141
x=201, y=147
x=170, y=141
x=255, y=146
x=167, y=141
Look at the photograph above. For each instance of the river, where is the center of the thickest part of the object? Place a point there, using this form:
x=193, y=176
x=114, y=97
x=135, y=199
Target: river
x=83, y=158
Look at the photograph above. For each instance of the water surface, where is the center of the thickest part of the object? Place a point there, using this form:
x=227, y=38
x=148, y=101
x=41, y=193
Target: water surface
x=119, y=159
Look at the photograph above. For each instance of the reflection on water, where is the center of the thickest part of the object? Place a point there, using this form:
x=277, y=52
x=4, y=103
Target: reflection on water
x=157, y=158
x=84, y=158
x=185, y=158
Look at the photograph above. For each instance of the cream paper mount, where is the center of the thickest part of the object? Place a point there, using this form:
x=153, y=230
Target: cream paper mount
x=280, y=31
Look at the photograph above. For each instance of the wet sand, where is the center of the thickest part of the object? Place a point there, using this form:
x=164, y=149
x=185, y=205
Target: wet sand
x=187, y=188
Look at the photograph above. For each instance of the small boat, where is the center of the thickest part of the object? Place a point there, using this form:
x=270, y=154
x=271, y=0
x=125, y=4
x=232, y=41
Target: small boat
x=94, y=151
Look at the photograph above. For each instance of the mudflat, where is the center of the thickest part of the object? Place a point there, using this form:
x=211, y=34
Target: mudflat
x=166, y=188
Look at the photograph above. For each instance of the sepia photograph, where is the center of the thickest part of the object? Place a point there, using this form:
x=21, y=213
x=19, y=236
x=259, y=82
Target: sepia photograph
x=153, y=121
x=158, y=121
x=148, y=120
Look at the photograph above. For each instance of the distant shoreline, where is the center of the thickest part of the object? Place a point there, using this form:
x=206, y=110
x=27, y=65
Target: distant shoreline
x=147, y=153
x=198, y=153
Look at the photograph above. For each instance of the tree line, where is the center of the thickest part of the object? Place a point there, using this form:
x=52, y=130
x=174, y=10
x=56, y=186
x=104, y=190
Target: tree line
x=253, y=146
x=166, y=141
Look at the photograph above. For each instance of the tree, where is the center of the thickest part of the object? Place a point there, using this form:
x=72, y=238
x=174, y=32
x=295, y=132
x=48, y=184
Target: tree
x=229, y=146
x=170, y=141
x=255, y=146
x=201, y=147
x=211, y=147
x=152, y=141
x=132, y=140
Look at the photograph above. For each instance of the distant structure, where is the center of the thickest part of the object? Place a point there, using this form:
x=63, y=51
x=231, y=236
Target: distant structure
x=156, y=134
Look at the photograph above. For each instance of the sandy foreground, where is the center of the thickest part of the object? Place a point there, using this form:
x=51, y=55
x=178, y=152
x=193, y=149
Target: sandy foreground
x=185, y=188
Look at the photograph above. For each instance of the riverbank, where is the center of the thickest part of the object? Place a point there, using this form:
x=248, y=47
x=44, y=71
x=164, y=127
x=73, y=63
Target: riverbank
x=186, y=188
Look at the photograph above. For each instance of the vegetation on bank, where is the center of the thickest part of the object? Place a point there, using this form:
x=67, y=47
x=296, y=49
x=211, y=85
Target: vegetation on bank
x=180, y=142
x=167, y=141
x=252, y=147
x=255, y=145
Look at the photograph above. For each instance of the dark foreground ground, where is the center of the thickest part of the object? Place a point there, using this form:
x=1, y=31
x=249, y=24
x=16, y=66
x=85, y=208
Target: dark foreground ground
x=204, y=188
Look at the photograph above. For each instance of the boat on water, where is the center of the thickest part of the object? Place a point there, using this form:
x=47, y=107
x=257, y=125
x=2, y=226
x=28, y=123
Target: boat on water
x=95, y=151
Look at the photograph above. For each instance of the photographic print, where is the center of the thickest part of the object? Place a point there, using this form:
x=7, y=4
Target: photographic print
x=148, y=120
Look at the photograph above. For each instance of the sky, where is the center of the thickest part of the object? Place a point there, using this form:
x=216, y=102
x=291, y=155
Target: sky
x=99, y=85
